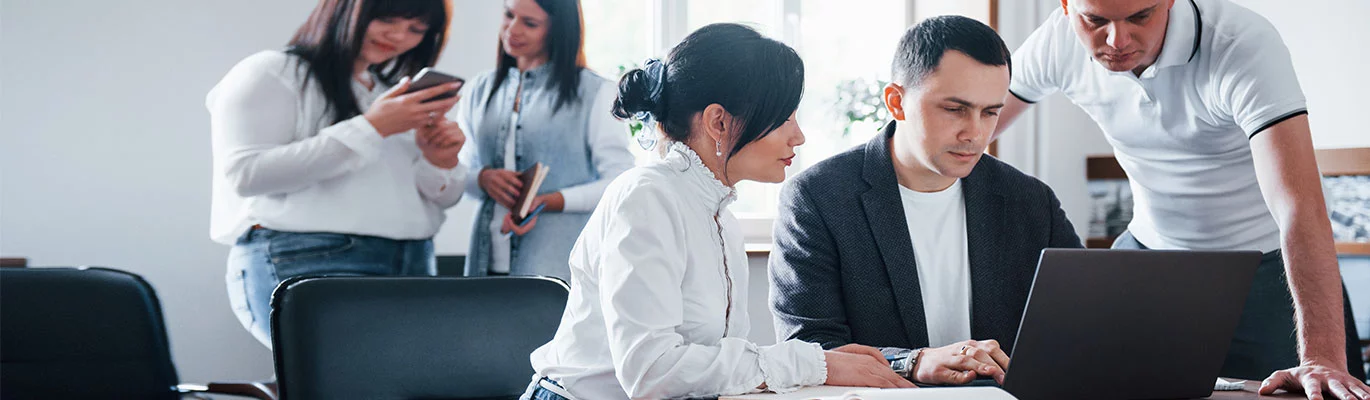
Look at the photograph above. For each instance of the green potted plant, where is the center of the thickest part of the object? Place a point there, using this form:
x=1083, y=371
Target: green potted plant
x=861, y=105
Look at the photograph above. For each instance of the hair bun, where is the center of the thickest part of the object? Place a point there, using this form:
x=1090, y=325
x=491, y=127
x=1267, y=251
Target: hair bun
x=640, y=92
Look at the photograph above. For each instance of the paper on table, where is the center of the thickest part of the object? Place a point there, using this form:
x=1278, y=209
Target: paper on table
x=849, y=393
x=813, y=392
x=979, y=393
x=1223, y=384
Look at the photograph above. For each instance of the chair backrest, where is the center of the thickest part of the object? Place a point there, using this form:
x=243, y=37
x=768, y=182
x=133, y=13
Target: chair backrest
x=411, y=338
x=87, y=333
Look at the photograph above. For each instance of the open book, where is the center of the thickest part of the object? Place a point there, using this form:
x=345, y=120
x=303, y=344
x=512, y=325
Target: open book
x=532, y=180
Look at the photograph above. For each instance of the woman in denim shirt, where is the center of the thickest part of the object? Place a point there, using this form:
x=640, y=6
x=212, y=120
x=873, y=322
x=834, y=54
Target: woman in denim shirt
x=540, y=105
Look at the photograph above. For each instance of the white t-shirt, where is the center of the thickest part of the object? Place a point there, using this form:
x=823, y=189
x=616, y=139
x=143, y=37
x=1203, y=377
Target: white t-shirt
x=500, y=244
x=1182, y=129
x=937, y=225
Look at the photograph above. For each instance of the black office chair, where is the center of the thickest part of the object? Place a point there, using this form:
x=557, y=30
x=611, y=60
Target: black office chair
x=411, y=337
x=89, y=333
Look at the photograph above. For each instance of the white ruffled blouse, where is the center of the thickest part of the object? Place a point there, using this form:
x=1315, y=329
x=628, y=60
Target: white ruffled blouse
x=658, y=304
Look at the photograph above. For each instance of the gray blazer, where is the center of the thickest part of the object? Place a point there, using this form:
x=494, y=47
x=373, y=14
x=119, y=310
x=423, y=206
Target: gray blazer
x=842, y=270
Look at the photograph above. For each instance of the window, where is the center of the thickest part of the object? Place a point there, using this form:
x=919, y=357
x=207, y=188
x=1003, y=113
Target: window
x=618, y=33
x=846, y=43
x=618, y=37
x=763, y=15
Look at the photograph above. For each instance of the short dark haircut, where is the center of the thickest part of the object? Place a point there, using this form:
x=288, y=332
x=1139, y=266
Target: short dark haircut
x=921, y=49
x=331, y=40
x=757, y=79
x=565, y=44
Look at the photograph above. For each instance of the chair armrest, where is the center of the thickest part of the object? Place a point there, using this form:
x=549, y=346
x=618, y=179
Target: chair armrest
x=256, y=390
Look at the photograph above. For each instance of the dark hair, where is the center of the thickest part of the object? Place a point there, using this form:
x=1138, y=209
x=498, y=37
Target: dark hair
x=921, y=49
x=331, y=40
x=756, y=79
x=565, y=44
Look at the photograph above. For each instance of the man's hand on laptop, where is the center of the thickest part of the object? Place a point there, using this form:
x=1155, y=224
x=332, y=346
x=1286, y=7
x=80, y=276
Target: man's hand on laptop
x=962, y=362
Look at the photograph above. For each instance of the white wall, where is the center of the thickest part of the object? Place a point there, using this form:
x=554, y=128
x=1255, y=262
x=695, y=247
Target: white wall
x=758, y=301
x=104, y=146
x=1052, y=140
x=470, y=51
x=1325, y=41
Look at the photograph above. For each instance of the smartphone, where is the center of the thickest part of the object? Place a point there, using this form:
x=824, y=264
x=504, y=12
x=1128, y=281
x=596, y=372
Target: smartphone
x=536, y=210
x=427, y=78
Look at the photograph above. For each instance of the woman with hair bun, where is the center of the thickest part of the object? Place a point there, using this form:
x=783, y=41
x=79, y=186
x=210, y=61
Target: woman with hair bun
x=659, y=275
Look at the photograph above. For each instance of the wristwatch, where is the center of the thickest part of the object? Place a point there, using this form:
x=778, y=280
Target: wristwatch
x=906, y=363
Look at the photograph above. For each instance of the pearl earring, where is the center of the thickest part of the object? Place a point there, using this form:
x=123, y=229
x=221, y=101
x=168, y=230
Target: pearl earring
x=718, y=148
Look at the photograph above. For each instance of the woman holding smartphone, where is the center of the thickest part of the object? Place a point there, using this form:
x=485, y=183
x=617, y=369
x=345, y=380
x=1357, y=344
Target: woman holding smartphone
x=539, y=105
x=323, y=164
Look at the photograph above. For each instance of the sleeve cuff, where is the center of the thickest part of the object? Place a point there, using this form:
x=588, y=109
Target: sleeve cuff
x=1275, y=121
x=1020, y=97
x=359, y=136
x=578, y=199
x=459, y=170
x=441, y=180
x=792, y=364
x=1028, y=92
x=473, y=181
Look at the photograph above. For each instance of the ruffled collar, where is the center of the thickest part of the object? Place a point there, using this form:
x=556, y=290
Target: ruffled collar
x=681, y=157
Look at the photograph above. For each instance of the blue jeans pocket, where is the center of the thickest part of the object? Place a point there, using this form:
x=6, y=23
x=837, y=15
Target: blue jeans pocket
x=285, y=248
x=250, y=279
x=237, y=294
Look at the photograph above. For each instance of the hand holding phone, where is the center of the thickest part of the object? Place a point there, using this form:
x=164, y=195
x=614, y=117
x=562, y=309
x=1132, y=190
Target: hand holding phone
x=412, y=104
x=427, y=78
x=537, y=210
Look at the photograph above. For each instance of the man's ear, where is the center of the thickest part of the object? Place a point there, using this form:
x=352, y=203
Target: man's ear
x=894, y=101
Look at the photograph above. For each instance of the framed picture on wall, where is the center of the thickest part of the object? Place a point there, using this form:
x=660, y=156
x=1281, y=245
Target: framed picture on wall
x=1110, y=200
x=1346, y=187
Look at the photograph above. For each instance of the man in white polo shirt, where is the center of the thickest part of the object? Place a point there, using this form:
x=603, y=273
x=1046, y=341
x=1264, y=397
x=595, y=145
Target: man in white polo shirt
x=1200, y=102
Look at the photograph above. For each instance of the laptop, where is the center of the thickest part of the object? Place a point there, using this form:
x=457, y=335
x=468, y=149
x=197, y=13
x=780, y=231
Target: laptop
x=1128, y=324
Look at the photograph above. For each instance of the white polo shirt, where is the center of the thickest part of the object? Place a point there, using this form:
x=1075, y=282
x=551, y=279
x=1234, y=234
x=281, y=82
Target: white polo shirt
x=1182, y=129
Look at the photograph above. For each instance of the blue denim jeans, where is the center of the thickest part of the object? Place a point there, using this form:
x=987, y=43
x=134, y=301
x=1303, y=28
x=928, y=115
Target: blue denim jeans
x=537, y=392
x=263, y=258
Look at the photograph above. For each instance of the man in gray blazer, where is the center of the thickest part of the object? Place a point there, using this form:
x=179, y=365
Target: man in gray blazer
x=916, y=242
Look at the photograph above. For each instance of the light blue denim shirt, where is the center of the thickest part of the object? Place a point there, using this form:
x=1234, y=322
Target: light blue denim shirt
x=582, y=143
